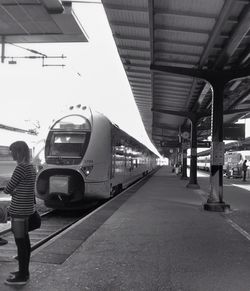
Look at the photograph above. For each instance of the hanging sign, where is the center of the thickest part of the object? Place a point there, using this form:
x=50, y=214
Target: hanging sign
x=217, y=153
x=234, y=131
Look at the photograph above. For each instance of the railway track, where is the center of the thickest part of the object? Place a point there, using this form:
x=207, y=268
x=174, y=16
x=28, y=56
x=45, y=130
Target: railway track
x=53, y=223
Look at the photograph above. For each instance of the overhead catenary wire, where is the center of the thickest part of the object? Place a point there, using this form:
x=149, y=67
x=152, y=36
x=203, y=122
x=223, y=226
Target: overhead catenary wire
x=27, y=49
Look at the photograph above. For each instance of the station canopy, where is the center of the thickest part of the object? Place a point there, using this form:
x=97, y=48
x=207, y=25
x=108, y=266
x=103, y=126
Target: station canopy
x=200, y=34
x=39, y=21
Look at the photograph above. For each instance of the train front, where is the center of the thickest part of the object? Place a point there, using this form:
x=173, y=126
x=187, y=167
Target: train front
x=60, y=182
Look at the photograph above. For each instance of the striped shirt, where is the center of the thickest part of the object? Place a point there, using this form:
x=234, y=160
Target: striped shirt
x=22, y=189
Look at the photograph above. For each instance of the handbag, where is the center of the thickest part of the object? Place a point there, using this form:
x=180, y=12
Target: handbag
x=4, y=206
x=34, y=221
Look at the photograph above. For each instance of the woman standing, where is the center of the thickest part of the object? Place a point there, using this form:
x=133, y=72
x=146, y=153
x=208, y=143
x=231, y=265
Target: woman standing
x=21, y=188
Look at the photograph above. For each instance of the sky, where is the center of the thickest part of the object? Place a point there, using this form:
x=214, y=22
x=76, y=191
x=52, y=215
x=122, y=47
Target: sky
x=93, y=75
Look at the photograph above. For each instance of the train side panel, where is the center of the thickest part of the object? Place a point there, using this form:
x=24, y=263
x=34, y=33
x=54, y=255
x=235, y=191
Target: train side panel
x=130, y=159
x=98, y=154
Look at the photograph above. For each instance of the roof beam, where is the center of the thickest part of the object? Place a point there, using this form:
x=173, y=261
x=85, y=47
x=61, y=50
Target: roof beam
x=244, y=110
x=219, y=25
x=158, y=51
x=239, y=99
x=234, y=41
x=204, y=74
x=221, y=20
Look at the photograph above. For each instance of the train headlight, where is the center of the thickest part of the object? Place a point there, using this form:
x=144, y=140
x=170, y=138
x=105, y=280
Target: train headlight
x=39, y=168
x=87, y=170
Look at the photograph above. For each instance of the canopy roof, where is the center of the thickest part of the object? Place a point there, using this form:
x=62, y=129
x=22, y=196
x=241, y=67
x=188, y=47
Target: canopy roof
x=196, y=34
x=37, y=21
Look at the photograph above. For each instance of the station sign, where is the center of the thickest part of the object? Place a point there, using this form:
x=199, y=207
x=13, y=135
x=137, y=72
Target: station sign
x=217, y=153
x=234, y=131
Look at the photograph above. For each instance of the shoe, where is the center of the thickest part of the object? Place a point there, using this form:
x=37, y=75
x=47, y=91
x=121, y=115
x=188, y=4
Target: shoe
x=16, y=280
x=16, y=273
x=3, y=241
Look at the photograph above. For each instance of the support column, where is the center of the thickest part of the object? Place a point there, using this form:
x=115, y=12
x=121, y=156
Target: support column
x=215, y=200
x=184, y=164
x=193, y=163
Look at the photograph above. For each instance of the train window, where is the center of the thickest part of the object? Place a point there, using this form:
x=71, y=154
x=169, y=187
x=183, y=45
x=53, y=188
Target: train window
x=72, y=122
x=67, y=144
x=135, y=163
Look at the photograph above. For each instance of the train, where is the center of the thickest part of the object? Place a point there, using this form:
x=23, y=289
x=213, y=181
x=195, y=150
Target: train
x=86, y=155
x=233, y=161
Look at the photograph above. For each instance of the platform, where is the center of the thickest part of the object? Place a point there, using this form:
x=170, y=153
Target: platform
x=156, y=236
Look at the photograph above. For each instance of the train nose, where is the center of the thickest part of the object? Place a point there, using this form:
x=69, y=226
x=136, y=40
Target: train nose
x=60, y=186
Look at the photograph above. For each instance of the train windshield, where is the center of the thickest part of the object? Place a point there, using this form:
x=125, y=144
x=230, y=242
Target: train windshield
x=67, y=144
x=68, y=139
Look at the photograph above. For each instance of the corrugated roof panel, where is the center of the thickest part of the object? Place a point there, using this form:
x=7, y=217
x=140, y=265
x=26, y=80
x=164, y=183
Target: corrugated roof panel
x=127, y=41
x=127, y=3
x=173, y=119
x=178, y=48
x=181, y=36
x=135, y=53
x=172, y=77
x=192, y=6
x=132, y=31
x=175, y=57
x=182, y=22
x=239, y=6
x=123, y=16
x=39, y=21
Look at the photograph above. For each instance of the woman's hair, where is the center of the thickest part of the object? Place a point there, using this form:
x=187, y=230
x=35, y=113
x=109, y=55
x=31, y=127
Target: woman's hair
x=20, y=151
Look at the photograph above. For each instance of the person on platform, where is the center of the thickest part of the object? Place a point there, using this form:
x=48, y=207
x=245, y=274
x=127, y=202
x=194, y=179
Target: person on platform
x=244, y=170
x=21, y=187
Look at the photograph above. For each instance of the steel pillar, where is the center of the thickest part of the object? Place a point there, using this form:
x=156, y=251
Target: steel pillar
x=184, y=164
x=215, y=200
x=193, y=163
